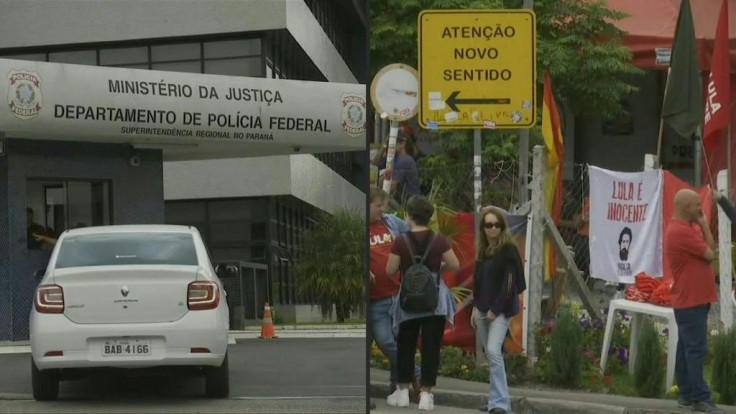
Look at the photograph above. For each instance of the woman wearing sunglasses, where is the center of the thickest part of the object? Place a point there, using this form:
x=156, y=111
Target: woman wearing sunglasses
x=498, y=281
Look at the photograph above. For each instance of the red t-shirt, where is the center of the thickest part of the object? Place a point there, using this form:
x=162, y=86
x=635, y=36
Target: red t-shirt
x=694, y=280
x=434, y=258
x=381, y=241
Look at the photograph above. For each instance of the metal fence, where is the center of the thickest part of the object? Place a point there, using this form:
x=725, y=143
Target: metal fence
x=573, y=223
x=246, y=287
x=451, y=185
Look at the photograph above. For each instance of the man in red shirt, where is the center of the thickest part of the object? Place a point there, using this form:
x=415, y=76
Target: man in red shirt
x=689, y=250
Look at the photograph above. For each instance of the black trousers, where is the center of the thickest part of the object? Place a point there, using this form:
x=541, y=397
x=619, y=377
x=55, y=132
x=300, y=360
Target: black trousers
x=433, y=330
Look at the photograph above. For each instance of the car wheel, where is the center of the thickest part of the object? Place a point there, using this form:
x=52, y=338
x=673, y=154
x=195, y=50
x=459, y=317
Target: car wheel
x=45, y=383
x=217, y=380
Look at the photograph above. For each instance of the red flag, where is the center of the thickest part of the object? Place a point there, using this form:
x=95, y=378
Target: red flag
x=717, y=96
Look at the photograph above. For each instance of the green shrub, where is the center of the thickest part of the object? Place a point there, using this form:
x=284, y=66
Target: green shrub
x=566, y=349
x=724, y=365
x=517, y=368
x=455, y=363
x=649, y=369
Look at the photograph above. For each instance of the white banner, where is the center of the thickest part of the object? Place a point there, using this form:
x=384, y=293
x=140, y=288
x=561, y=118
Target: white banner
x=88, y=103
x=625, y=224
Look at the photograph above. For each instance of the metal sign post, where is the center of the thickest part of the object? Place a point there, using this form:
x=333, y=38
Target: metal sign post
x=524, y=148
x=392, y=134
x=394, y=94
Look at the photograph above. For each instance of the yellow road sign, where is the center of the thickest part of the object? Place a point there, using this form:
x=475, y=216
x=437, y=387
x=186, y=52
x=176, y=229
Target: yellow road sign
x=477, y=69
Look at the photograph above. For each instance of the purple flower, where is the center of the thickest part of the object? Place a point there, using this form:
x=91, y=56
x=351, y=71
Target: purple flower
x=623, y=355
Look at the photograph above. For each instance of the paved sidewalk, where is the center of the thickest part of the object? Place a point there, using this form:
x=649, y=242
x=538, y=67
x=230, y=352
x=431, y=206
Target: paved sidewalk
x=470, y=395
x=383, y=408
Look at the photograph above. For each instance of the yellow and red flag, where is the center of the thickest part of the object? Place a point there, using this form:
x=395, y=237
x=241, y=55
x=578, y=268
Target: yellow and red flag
x=555, y=144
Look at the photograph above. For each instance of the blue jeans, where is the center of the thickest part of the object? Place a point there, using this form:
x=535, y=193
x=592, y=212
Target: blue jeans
x=493, y=334
x=692, y=350
x=381, y=330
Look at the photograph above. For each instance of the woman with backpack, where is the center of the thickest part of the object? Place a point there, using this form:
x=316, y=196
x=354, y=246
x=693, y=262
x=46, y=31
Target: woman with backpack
x=498, y=281
x=425, y=302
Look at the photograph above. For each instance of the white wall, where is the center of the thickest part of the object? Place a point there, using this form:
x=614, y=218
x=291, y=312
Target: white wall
x=321, y=187
x=302, y=176
x=233, y=177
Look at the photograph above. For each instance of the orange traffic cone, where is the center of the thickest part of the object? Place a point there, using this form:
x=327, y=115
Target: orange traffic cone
x=267, y=331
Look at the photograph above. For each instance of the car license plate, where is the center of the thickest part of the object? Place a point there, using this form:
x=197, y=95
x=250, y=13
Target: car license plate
x=126, y=347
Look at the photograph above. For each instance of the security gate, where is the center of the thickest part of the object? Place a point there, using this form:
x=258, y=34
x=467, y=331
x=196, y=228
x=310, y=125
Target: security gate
x=246, y=286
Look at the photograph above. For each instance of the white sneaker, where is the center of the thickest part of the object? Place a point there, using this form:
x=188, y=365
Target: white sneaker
x=399, y=398
x=426, y=401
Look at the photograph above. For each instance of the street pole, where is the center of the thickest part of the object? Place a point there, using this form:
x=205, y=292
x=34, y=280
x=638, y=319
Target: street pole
x=392, y=134
x=524, y=148
x=660, y=135
x=477, y=183
x=729, y=149
x=536, y=257
x=477, y=198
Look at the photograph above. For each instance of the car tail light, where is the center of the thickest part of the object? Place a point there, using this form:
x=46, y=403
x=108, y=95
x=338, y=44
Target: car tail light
x=54, y=354
x=200, y=351
x=49, y=299
x=203, y=295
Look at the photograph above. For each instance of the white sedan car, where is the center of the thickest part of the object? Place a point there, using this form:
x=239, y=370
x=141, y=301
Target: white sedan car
x=129, y=297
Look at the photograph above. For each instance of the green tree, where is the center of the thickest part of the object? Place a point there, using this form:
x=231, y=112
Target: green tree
x=576, y=41
x=331, y=268
x=450, y=170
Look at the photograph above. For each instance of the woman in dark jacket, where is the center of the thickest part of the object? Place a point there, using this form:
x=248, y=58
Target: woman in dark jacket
x=498, y=281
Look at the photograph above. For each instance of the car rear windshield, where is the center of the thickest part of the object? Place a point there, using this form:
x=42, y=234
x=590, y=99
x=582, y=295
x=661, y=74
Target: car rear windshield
x=127, y=249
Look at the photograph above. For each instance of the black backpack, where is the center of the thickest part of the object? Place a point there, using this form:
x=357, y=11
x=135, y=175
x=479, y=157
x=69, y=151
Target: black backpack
x=419, y=286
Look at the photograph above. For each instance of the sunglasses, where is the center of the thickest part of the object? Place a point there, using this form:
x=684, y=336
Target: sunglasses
x=497, y=225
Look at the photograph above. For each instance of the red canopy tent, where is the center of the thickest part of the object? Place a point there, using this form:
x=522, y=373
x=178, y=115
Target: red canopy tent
x=651, y=25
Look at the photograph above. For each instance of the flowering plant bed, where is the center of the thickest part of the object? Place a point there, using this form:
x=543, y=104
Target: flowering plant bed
x=455, y=363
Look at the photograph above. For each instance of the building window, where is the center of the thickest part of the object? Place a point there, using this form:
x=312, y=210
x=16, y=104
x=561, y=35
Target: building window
x=234, y=230
x=54, y=206
x=182, y=57
x=38, y=57
x=126, y=57
x=240, y=57
x=80, y=57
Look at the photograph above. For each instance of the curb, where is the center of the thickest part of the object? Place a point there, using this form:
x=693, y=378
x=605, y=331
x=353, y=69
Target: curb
x=525, y=405
x=255, y=328
x=15, y=397
x=289, y=334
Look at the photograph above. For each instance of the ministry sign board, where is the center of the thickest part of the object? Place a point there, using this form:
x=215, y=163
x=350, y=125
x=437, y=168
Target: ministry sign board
x=477, y=68
x=87, y=103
